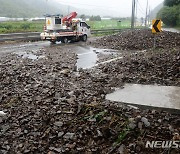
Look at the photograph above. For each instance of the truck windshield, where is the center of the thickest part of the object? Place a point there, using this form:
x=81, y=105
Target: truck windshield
x=57, y=20
x=83, y=24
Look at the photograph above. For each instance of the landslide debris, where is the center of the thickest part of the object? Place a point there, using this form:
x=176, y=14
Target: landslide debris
x=138, y=39
x=149, y=67
x=52, y=109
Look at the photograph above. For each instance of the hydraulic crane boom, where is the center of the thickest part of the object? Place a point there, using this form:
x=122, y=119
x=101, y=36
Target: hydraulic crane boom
x=69, y=17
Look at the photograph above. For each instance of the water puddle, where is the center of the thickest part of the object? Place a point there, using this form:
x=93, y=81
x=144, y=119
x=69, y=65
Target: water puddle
x=29, y=55
x=166, y=97
x=87, y=56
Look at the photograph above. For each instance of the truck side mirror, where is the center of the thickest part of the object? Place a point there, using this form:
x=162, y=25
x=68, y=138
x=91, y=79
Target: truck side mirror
x=88, y=27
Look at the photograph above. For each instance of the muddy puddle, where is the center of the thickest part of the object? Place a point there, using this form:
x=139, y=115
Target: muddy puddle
x=164, y=97
x=88, y=56
x=31, y=56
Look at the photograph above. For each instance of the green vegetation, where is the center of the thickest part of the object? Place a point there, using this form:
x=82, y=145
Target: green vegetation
x=170, y=14
x=171, y=2
x=95, y=18
x=21, y=26
x=37, y=26
x=29, y=8
x=108, y=24
x=122, y=135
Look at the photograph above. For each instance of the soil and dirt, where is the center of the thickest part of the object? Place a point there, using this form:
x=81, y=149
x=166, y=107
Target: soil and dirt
x=53, y=108
x=138, y=40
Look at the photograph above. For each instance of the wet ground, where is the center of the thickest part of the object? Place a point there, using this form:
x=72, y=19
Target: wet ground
x=171, y=30
x=88, y=58
x=164, y=97
x=50, y=106
x=22, y=47
x=87, y=55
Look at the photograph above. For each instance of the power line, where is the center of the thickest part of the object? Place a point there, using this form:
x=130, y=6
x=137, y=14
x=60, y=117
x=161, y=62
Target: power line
x=146, y=14
x=86, y=4
x=133, y=13
x=140, y=9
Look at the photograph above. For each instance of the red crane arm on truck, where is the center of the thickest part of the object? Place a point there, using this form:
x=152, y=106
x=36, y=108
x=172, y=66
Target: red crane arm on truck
x=69, y=17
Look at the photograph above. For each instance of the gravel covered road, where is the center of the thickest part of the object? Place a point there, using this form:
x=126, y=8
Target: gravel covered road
x=54, y=106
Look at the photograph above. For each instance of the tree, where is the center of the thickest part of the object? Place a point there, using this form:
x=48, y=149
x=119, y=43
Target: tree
x=170, y=15
x=83, y=17
x=171, y=2
x=95, y=18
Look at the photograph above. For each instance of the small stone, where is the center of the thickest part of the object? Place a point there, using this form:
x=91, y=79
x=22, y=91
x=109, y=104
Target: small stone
x=26, y=151
x=71, y=146
x=25, y=131
x=176, y=137
x=140, y=125
x=99, y=133
x=145, y=121
x=60, y=134
x=58, y=123
x=55, y=149
x=159, y=120
x=92, y=120
x=1, y=120
x=79, y=149
x=65, y=71
x=2, y=114
x=68, y=135
x=121, y=149
x=138, y=118
x=21, y=145
x=71, y=100
x=131, y=119
x=7, y=147
x=171, y=128
x=51, y=152
x=71, y=93
x=132, y=125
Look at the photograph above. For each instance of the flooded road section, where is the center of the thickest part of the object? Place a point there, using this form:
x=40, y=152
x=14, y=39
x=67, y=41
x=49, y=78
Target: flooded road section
x=88, y=56
x=166, y=97
x=23, y=47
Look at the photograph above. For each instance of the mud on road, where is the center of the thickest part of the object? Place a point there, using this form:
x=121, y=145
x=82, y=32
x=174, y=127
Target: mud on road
x=53, y=106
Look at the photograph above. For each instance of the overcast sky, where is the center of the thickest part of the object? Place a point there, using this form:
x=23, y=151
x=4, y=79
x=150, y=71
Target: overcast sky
x=122, y=7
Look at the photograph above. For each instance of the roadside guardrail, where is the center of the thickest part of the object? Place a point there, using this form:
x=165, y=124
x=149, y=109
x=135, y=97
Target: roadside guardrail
x=35, y=36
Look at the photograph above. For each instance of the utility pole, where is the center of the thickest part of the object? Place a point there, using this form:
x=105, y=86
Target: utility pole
x=68, y=9
x=136, y=13
x=149, y=16
x=133, y=14
x=146, y=14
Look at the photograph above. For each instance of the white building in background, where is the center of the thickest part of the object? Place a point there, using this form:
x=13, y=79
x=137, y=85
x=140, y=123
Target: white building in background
x=105, y=18
x=3, y=19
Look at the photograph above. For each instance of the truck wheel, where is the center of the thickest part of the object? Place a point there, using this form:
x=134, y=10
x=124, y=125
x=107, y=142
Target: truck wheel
x=53, y=41
x=84, y=38
x=64, y=40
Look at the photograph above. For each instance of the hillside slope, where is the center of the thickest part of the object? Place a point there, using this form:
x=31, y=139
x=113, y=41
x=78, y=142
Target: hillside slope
x=156, y=10
x=30, y=8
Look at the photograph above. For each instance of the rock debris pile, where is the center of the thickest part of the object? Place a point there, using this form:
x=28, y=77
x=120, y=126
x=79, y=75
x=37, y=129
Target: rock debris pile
x=138, y=40
x=160, y=67
x=51, y=108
